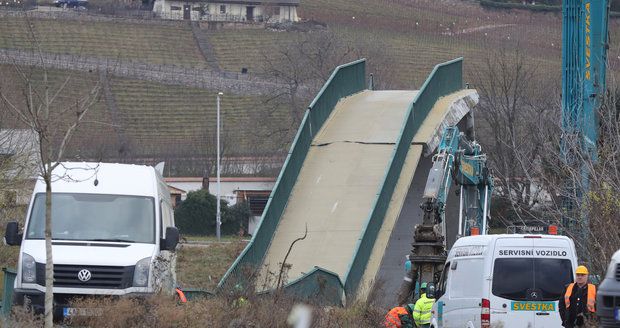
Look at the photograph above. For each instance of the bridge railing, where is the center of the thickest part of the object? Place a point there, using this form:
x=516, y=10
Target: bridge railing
x=345, y=80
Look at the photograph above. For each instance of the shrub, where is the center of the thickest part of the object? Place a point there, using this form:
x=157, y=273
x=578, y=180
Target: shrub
x=235, y=218
x=220, y=311
x=197, y=215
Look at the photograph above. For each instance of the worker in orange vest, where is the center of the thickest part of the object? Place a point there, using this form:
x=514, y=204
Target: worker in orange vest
x=181, y=295
x=399, y=317
x=579, y=300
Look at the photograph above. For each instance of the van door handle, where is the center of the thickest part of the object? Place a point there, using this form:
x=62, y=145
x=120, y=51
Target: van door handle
x=542, y=313
x=498, y=312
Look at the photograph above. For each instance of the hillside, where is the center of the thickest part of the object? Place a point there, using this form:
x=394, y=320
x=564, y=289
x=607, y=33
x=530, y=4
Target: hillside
x=418, y=34
x=409, y=37
x=170, y=44
x=149, y=121
x=139, y=121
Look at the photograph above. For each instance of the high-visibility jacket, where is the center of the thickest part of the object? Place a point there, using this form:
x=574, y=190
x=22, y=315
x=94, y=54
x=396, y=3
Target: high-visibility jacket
x=591, y=297
x=422, y=310
x=181, y=295
x=398, y=317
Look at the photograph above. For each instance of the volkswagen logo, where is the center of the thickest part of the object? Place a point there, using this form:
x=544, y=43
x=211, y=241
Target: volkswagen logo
x=84, y=275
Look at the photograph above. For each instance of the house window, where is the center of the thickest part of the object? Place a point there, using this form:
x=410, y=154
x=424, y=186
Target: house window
x=175, y=8
x=222, y=9
x=276, y=11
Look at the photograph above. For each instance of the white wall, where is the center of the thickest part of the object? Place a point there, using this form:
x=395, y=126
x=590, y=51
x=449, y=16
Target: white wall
x=228, y=188
x=164, y=9
x=234, y=12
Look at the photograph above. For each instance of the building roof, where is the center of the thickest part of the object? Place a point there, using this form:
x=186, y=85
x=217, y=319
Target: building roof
x=223, y=179
x=176, y=191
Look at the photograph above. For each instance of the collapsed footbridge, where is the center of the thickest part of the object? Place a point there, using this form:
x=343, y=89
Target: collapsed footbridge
x=352, y=183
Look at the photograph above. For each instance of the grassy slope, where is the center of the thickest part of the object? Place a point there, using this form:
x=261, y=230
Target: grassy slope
x=165, y=44
x=176, y=119
x=197, y=267
x=424, y=33
x=158, y=119
x=411, y=36
x=417, y=35
x=236, y=49
x=204, y=266
x=96, y=125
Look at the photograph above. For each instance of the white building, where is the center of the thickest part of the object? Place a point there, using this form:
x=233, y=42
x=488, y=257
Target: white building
x=254, y=190
x=229, y=10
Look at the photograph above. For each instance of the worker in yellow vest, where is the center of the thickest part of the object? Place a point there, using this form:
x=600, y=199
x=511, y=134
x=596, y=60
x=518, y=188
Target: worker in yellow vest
x=579, y=300
x=422, y=308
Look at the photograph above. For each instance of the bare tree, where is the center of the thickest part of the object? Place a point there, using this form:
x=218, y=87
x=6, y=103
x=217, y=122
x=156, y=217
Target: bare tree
x=519, y=122
x=17, y=161
x=42, y=106
x=514, y=103
x=592, y=222
x=302, y=66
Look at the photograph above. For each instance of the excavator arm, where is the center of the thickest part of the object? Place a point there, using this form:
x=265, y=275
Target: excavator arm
x=457, y=161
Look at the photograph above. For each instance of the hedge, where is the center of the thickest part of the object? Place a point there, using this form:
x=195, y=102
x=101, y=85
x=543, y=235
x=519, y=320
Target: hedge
x=196, y=215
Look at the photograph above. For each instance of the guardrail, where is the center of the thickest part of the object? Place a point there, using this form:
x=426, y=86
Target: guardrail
x=345, y=80
x=445, y=78
x=7, y=292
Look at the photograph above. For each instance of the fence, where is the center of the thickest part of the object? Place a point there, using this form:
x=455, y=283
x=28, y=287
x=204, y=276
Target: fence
x=125, y=15
x=445, y=78
x=344, y=81
x=166, y=74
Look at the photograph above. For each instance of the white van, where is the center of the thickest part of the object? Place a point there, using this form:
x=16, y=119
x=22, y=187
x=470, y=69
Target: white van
x=504, y=281
x=112, y=234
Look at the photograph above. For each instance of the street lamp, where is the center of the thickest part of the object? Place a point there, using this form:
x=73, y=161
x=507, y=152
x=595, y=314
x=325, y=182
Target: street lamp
x=219, y=194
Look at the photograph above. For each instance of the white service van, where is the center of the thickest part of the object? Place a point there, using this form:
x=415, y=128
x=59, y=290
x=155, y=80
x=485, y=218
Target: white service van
x=113, y=233
x=508, y=281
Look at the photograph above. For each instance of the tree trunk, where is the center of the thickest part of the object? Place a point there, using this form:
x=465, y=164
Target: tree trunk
x=49, y=265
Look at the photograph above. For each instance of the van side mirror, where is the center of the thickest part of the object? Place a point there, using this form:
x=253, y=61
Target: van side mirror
x=172, y=239
x=12, y=236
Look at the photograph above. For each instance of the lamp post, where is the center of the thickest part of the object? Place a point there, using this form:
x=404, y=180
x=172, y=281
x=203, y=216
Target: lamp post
x=219, y=194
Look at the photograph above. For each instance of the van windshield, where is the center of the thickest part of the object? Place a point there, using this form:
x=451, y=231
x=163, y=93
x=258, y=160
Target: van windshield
x=529, y=279
x=92, y=217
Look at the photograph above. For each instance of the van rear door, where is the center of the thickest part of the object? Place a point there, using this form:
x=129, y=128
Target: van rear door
x=528, y=282
x=511, y=279
x=553, y=269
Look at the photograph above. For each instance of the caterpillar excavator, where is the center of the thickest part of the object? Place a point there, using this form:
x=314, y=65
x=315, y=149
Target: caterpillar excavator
x=460, y=161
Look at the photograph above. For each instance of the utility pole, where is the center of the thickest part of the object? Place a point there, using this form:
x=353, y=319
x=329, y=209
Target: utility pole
x=219, y=190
